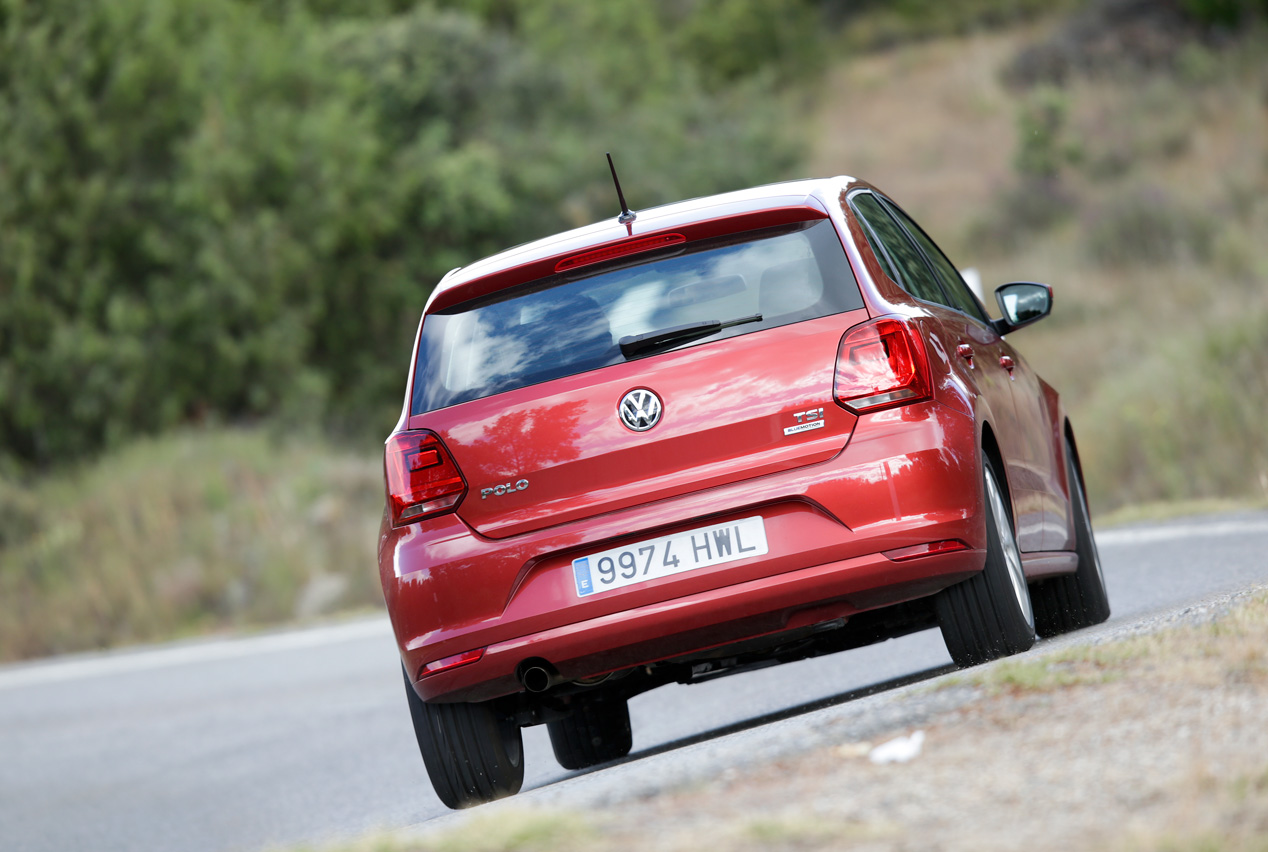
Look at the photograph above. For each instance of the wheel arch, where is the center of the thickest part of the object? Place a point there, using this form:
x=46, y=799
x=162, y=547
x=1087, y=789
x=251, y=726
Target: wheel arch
x=992, y=453
x=1071, y=446
x=1067, y=432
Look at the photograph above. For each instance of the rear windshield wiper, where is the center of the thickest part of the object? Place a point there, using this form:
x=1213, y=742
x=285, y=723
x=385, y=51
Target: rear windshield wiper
x=655, y=341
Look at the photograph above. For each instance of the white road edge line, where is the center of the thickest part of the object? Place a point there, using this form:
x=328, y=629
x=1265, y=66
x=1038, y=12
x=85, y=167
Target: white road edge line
x=122, y=662
x=1152, y=535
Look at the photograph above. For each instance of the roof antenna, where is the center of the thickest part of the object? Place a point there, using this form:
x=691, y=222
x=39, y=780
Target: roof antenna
x=627, y=215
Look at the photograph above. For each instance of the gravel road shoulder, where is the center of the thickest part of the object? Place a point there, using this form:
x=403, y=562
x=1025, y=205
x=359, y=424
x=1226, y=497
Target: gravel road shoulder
x=1147, y=735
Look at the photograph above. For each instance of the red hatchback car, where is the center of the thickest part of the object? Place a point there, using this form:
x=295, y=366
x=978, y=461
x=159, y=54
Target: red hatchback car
x=755, y=427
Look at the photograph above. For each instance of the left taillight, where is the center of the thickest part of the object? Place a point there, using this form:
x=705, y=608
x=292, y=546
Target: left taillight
x=423, y=480
x=881, y=364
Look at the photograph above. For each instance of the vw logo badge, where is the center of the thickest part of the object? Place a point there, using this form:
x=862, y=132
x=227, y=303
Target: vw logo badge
x=640, y=410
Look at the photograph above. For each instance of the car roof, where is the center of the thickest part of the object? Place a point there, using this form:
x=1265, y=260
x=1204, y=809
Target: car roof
x=799, y=193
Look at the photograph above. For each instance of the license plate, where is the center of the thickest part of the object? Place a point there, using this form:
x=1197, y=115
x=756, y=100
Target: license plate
x=670, y=554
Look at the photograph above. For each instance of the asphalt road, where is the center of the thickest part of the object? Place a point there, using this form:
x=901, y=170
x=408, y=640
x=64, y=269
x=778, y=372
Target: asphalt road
x=304, y=737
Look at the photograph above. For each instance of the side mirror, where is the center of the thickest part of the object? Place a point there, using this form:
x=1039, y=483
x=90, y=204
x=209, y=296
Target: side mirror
x=1022, y=303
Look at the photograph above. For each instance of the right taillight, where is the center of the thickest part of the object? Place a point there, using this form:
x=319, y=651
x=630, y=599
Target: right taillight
x=881, y=364
x=422, y=478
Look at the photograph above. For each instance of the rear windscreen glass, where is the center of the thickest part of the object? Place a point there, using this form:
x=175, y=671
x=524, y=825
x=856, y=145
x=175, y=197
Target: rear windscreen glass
x=639, y=307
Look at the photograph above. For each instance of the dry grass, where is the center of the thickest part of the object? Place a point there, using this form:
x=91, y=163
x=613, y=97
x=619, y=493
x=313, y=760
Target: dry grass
x=183, y=534
x=1170, y=510
x=930, y=124
x=1232, y=650
x=1159, y=339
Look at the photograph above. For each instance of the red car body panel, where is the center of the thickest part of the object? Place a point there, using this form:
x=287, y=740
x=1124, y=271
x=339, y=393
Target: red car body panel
x=496, y=575
x=565, y=443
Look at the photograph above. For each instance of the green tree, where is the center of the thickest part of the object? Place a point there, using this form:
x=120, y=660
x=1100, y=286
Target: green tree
x=213, y=208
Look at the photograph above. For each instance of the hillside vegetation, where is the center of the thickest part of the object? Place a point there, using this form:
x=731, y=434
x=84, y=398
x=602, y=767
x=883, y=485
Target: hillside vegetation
x=1125, y=162
x=219, y=221
x=220, y=209
x=189, y=533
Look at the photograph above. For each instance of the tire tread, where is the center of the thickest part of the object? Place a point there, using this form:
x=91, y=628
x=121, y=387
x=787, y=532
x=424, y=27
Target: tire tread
x=1078, y=600
x=979, y=617
x=465, y=751
x=597, y=731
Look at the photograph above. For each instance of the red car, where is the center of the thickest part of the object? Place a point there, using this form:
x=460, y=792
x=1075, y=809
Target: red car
x=755, y=427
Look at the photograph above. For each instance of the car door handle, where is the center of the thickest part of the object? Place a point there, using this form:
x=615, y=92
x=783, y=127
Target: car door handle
x=1006, y=362
x=965, y=351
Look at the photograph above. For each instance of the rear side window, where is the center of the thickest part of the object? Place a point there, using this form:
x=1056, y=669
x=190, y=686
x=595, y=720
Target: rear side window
x=890, y=241
x=576, y=322
x=959, y=293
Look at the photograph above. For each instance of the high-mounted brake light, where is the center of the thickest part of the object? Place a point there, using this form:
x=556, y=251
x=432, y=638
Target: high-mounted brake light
x=881, y=364
x=619, y=250
x=422, y=478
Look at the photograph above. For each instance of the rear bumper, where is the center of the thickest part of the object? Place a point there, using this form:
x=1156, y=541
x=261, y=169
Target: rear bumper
x=900, y=482
x=706, y=620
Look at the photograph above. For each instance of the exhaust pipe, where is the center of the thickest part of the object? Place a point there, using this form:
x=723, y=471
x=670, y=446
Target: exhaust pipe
x=537, y=676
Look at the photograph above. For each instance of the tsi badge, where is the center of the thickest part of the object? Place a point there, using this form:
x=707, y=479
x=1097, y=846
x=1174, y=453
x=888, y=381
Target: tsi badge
x=499, y=490
x=806, y=420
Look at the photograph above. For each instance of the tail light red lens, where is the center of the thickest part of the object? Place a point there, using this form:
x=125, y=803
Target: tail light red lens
x=422, y=478
x=881, y=364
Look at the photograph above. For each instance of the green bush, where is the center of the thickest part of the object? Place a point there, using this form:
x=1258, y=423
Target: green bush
x=1224, y=13
x=1042, y=147
x=1116, y=38
x=872, y=24
x=1185, y=424
x=1018, y=213
x=1038, y=199
x=1148, y=226
x=220, y=210
x=733, y=39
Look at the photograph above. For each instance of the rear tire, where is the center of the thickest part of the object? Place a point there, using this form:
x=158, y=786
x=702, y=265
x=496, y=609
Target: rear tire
x=989, y=615
x=1078, y=600
x=473, y=753
x=597, y=731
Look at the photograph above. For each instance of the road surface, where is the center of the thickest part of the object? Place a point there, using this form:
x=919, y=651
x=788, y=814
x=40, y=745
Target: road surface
x=304, y=737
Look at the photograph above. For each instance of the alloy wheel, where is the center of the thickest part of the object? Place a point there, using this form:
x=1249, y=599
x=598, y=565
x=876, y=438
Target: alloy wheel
x=1012, y=556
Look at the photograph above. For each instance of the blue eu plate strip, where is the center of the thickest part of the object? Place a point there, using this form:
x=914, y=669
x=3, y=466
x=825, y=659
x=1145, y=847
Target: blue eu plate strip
x=581, y=569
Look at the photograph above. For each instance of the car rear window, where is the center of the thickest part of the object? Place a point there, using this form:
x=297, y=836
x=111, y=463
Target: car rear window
x=576, y=322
